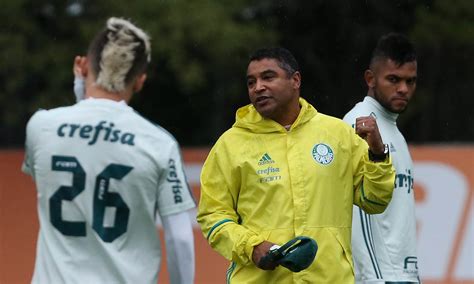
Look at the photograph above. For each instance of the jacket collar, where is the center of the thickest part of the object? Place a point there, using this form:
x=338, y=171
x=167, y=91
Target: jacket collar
x=248, y=117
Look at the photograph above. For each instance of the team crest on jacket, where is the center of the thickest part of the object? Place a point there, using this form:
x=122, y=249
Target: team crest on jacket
x=323, y=154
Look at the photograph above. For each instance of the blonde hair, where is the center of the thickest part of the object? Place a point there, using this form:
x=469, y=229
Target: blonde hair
x=119, y=54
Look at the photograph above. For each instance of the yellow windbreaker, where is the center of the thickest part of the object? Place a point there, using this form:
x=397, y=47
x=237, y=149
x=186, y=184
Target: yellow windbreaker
x=262, y=182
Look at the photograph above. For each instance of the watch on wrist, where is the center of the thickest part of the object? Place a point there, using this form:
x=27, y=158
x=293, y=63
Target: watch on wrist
x=379, y=157
x=274, y=247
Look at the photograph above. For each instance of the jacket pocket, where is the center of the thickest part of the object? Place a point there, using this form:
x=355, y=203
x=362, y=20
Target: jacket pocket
x=333, y=262
x=344, y=243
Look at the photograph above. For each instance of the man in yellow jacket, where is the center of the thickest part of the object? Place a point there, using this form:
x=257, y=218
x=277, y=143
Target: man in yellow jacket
x=285, y=170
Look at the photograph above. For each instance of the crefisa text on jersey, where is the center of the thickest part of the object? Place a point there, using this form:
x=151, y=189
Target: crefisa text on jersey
x=173, y=178
x=93, y=133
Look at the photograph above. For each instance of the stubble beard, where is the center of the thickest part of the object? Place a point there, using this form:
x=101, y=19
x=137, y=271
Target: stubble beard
x=386, y=104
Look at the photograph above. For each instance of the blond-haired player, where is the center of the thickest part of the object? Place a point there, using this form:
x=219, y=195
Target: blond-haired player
x=103, y=172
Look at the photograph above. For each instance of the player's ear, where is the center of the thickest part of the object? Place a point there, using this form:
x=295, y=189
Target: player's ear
x=369, y=77
x=84, y=65
x=139, y=83
x=296, y=80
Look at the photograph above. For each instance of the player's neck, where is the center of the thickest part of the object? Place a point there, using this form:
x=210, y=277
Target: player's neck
x=99, y=93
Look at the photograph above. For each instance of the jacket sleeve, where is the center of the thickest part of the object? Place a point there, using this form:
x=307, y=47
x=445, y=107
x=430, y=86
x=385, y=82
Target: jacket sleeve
x=373, y=181
x=217, y=211
x=33, y=131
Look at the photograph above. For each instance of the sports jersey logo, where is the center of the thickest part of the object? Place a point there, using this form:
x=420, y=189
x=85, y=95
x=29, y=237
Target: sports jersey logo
x=268, y=170
x=269, y=173
x=392, y=148
x=93, y=133
x=323, y=154
x=174, y=180
x=404, y=180
x=266, y=159
x=410, y=265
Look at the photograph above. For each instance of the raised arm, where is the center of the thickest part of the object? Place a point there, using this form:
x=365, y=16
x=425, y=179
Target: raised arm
x=374, y=175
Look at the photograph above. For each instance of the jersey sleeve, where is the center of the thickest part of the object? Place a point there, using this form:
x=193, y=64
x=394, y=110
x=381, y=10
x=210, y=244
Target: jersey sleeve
x=174, y=193
x=217, y=212
x=33, y=129
x=179, y=242
x=373, y=181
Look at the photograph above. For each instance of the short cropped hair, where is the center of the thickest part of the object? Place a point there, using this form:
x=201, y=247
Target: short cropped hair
x=118, y=54
x=285, y=59
x=396, y=47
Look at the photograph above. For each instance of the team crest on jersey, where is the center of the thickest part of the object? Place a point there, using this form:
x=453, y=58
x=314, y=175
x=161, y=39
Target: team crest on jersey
x=392, y=148
x=323, y=154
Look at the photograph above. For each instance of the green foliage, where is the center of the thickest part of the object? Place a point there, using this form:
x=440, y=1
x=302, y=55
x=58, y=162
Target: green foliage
x=200, y=50
x=199, y=57
x=445, y=38
x=333, y=41
x=451, y=21
x=36, y=52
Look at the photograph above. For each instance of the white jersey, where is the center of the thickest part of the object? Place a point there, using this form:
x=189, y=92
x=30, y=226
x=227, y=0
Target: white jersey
x=384, y=245
x=102, y=172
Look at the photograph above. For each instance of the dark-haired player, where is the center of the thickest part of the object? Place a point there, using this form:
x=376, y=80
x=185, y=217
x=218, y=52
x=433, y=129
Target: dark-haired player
x=384, y=245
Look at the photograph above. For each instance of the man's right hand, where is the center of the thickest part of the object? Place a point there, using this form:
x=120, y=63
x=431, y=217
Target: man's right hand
x=366, y=127
x=260, y=251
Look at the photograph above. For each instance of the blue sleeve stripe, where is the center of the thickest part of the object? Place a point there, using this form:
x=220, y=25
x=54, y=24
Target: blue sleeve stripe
x=371, y=240
x=217, y=225
x=229, y=272
x=367, y=233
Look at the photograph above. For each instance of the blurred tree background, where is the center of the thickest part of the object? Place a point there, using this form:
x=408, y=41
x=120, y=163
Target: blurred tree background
x=200, y=52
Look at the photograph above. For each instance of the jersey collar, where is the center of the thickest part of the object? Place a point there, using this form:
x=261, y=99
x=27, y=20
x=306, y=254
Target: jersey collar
x=391, y=116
